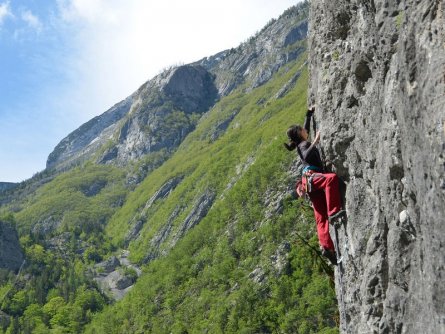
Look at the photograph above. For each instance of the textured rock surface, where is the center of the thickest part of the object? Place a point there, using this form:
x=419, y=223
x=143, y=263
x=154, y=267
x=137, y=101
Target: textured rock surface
x=111, y=276
x=161, y=116
x=256, y=60
x=46, y=226
x=155, y=117
x=139, y=220
x=11, y=256
x=86, y=140
x=108, y=265
x=198, y=212
x=377, y=75
x=161, y=236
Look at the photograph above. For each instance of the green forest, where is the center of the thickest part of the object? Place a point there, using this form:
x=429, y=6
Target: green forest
x=249, y=266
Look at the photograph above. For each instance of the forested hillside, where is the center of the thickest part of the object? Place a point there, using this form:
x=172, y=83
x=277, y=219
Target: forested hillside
x=201, y=236
x=242, y=269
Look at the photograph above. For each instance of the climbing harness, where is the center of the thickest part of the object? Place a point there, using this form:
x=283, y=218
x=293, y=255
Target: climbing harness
x=309, y=172
x=304, y=186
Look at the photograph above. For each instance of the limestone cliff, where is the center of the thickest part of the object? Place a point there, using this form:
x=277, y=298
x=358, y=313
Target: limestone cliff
x=155, y=117
x=254, y=62
x=377, y=76
x=11, y=256
x=87, y=139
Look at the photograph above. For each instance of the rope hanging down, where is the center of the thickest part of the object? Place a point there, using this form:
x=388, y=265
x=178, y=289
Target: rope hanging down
x=327, y=269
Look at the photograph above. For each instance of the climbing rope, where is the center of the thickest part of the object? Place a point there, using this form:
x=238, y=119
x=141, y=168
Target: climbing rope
x=326, y=268
x=340, y=275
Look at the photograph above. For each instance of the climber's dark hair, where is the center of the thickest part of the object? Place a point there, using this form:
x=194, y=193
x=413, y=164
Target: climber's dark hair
x=293, y=133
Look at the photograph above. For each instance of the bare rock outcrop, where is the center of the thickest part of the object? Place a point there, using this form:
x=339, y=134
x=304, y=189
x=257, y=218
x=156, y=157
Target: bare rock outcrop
x=198, y=212
x=116, y=275
x=11, y=255
x=84, y=142
x=157, y=116
x=139, y=220
x=377, y=77
x=255, y=61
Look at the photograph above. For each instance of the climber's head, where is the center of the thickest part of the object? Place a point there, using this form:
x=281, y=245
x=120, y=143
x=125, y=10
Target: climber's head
x=296, y=134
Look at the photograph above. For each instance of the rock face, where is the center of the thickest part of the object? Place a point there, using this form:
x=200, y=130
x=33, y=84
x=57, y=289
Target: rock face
x=167, y=235
x=162, y=115
x=157, y=116
x=116, y=276
x=108, y=265
x=138, y=221
x=190, y=88
x=255, y=61
x=377, y=77
x=82, y=143
x=198, y=212
x=11, y=256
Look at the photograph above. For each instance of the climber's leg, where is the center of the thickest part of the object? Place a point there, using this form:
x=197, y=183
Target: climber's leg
x=329, y=183
x=321, y=218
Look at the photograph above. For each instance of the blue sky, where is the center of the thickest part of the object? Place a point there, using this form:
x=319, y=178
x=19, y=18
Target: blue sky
x=63, y=62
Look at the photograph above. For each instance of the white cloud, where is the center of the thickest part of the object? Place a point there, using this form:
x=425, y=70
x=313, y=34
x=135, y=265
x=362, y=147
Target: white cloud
x=121, y=44
x=32, y=20
x=92, y=11
x=5, y=11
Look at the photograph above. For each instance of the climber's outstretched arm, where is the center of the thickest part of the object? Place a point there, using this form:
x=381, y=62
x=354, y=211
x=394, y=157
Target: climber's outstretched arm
x=307, y=120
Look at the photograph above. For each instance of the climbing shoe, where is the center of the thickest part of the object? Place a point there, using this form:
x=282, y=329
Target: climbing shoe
x=337, y=217
x=330, y=255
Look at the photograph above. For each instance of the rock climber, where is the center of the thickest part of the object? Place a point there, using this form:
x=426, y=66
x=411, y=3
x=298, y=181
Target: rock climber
x=322, y=187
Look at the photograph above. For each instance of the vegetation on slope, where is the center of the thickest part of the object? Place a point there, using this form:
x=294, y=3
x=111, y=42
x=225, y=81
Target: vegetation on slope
x=61, y=231
x=242, y=269
x=223, y=276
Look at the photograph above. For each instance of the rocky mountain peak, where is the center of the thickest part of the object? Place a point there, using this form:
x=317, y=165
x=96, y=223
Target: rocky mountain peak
x=191, y=88
x=84, y=142
x=160, y=114
x=256, y=60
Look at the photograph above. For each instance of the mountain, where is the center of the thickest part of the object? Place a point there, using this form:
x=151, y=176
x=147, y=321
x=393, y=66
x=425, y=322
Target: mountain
x=173, y=210
x=376, y=75
x=160, y=114
x=7, y=185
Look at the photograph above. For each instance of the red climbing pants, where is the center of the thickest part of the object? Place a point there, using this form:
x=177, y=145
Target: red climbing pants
x=325, y=198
